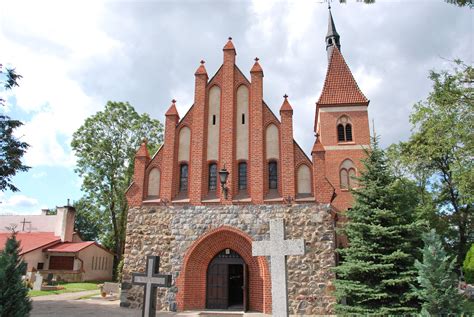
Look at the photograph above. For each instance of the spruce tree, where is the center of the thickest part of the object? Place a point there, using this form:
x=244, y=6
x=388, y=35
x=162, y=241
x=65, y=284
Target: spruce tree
x=377, y=267
x=438, y=282
x=14, y=300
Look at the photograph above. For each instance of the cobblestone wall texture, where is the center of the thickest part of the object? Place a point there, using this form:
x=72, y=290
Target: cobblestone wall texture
x=168, y=231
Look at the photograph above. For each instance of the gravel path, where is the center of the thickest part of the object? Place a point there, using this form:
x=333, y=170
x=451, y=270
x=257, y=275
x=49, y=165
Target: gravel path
x=69, y=305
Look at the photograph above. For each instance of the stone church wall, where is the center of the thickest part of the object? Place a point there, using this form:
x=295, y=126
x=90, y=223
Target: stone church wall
x=168, y=231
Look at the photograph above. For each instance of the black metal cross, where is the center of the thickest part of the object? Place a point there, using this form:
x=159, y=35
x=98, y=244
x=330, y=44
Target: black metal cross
x=151, y=280
x=24, y=222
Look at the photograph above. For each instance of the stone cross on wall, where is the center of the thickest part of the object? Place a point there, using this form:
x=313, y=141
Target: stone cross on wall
x=278, y=248
x=151, y=280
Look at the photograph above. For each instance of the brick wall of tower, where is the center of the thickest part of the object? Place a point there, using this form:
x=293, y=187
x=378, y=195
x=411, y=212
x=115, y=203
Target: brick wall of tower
x=360, y=126
x=337, y=152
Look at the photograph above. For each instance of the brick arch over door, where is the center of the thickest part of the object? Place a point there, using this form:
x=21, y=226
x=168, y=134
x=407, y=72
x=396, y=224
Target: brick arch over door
x=191, y=282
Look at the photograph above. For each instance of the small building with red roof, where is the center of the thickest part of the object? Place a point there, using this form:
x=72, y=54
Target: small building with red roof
x=49, y=245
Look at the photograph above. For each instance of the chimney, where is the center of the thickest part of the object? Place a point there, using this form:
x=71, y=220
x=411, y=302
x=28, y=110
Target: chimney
x=65, y=223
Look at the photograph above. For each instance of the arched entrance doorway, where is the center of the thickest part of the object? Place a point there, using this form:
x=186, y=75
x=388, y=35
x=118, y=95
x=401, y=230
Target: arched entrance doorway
x=192, y=281
x=227, y=282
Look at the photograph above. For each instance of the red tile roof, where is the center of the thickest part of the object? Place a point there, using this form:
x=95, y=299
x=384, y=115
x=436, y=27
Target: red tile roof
x=69, y=247
x=340, y=86
x=30, y=241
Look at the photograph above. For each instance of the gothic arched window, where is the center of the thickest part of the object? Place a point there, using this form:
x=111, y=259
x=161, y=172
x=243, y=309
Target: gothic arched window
x=344, y=129
x=242, y=176
x=272, y=175
x=347, y=173
x=183, y=178
x=212, y=177
x=154, y=183
x=341, y=136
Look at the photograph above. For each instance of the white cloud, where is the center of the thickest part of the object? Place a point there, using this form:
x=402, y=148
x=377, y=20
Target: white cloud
x=47, y=46
x=368, y=80
x=17, y=204
x=39, y=175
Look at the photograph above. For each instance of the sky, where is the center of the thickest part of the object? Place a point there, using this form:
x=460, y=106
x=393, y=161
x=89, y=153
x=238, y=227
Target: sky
x=74, y=56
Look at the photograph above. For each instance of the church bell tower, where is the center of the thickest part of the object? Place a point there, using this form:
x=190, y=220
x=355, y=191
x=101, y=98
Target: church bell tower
x=341, y=127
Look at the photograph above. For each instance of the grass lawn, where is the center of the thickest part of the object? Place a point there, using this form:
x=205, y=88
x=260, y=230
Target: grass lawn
x=68, y=288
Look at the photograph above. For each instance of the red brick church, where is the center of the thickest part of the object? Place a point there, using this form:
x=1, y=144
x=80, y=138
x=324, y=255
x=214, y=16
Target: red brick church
x=226, y=168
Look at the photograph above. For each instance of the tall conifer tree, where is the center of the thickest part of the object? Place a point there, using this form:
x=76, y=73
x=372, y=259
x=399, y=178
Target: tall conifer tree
x=14, y=300
x=438, y=281
x=377, y=267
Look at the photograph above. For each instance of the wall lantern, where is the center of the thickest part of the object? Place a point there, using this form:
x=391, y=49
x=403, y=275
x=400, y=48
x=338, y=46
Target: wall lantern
x=223, y=175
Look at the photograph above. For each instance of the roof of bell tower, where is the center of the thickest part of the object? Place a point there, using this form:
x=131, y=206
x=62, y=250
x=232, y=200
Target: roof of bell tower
x=340, y=86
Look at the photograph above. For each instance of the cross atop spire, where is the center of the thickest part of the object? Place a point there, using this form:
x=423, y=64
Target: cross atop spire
x=332, y=37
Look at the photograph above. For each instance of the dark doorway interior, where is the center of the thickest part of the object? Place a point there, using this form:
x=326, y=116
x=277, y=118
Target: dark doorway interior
x=236, y=284
x=226, y=286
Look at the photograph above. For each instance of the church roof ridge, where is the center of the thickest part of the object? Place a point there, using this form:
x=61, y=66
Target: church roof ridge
x=340, y=86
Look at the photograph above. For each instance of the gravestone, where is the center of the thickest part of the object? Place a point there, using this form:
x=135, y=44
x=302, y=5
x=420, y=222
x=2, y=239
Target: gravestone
x=151, y=279
x=38, y=282
x=111, y=288
x=278, y=248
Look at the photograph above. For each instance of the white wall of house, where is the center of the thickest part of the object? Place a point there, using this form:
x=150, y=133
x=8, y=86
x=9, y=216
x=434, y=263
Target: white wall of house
x=98, y=263
x=34, y=257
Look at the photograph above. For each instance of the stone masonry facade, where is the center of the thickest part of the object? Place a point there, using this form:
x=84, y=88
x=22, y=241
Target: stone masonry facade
x=172, y=231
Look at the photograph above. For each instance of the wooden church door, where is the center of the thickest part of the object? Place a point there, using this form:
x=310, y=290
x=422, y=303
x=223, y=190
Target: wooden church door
x=227, y=282
x=217, y=286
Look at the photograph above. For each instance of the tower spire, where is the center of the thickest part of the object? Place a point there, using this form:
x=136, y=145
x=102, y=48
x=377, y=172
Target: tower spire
x=332, y=37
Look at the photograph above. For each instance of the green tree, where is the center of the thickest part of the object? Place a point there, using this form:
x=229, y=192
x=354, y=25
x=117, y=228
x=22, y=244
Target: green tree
x=468, y=266
x=11, y=148
x=14, y=300
x=438, y=283
x=378, y=265
x=90, y=221
x=418, y=180
x=105, y=146
x=441, y=149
